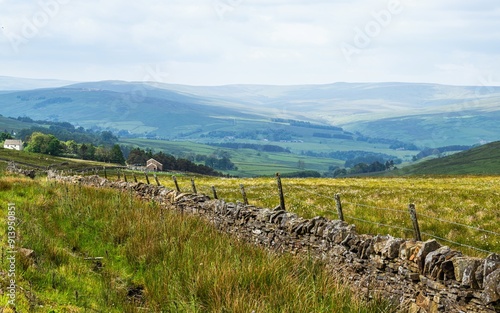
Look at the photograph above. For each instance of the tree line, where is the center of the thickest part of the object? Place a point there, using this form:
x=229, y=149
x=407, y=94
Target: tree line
x=139, y=157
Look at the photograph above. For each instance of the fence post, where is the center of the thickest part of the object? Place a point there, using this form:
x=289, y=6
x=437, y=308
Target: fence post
x=147, y=178
x=125, y=177
x=176, y=184
x=156, y=178
x=280, y=189
x=193, y=185
x=135, y=177
x=339, y=207
x=244, y=194
x=105, y=174
x=215, y=192
x=413, y=216
x=119, y=176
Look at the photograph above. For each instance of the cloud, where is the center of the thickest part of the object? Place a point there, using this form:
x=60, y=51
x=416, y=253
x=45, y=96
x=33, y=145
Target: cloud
x=274, y=42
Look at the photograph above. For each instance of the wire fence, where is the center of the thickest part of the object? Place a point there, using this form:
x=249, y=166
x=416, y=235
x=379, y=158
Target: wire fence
x=348, y=209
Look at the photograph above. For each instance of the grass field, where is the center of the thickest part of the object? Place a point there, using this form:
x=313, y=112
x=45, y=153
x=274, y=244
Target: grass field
x=105, y=251
x=250, y=162
x=468, y=200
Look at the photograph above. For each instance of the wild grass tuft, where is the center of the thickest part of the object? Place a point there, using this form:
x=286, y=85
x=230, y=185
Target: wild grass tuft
x=101, y=250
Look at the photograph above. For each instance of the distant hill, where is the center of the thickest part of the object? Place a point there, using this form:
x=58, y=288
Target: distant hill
x=15, y=83
x=484, y=159
x=427, y=115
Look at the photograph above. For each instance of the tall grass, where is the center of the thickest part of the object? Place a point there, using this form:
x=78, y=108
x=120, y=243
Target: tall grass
x=469, y=200
x=105, y=251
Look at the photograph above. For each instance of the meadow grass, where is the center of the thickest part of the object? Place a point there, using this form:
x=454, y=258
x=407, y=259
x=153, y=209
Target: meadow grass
x=153, y=260
x=469, y=200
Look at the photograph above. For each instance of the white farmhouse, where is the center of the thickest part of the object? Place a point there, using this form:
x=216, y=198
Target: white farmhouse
x=13, y=144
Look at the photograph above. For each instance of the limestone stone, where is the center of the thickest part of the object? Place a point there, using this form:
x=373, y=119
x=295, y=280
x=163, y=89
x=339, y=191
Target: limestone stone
x=491, y=284
x=427, y=247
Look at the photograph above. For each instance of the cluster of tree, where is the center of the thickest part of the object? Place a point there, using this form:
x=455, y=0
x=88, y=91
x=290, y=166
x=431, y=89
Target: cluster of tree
x=139, y=157
x=356, y=156
x=66, y=132
x=304, y=124
x=394, y=144
x=360, y=168
x=437, y=151
x=4, y=136
x=50, y=144
x=336, y=136
x=302, y=174
x=239, y=145
x=270, y=134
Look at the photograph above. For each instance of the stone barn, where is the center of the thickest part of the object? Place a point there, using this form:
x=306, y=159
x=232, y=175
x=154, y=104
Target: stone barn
x=154, y=165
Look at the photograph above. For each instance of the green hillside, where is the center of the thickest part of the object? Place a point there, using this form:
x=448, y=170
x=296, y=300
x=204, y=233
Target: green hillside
x=481, y=160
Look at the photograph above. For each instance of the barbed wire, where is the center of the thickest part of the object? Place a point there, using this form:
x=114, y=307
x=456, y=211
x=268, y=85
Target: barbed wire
x=456, y=243
x=379, y=224
x=376, y=208
x=402, y=211
x=458, y=224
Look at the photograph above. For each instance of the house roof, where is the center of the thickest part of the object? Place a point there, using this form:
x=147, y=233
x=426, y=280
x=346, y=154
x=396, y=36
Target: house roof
x=13, y=142
x=153, y=161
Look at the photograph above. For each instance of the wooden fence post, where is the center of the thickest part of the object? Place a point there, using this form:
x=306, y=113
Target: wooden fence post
x=176, y=184
x=156, y=179
x=125, y=177
x=214, y=192
x=135, y=177
x=244, y=194
x=193, y=185
x=413, y=216
x=119, y=176
x=105, y=174
x=147, y=178
x=280, y=190
x=339, y=207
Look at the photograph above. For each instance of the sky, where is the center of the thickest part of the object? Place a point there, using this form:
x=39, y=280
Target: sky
x=277, y=42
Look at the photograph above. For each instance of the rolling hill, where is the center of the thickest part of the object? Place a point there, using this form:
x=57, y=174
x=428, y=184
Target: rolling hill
x=425, y=114
x=484, y=159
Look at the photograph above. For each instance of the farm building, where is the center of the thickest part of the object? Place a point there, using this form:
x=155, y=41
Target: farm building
x=13, y=144
x=154, y=165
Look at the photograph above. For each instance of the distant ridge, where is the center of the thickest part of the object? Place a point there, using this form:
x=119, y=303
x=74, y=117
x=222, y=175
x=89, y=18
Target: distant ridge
x=17, y=83
x=482, y=160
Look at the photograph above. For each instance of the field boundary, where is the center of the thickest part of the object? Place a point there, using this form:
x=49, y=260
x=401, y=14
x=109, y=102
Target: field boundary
x=416, y=274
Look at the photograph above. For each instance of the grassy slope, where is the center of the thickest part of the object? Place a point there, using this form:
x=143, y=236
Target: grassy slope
x=10, y=124
x=153, y=260
x=481, y=160
x=43, y=161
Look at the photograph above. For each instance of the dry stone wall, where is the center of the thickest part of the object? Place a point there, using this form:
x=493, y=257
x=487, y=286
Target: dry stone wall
x=419, y=276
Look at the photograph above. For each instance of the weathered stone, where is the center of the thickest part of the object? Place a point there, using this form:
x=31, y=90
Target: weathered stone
x=391, y=248
x=406, y=249
x=491, y=264
x=379, y=243
x=423, y=302
x=465, y=270
x=427, y=247
x=432, y=259
x=491, y=284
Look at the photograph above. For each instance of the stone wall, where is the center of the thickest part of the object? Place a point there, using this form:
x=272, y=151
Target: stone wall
x=419, y=276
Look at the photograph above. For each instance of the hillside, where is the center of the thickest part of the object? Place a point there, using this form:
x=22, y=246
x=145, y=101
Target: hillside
x=481, y=160
x=423, y=114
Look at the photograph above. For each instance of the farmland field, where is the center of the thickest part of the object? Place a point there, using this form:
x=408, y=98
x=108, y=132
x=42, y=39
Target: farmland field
x=368, y=202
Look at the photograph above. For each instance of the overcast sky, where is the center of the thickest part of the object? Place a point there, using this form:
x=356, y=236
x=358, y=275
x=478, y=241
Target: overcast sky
x=216, y=42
